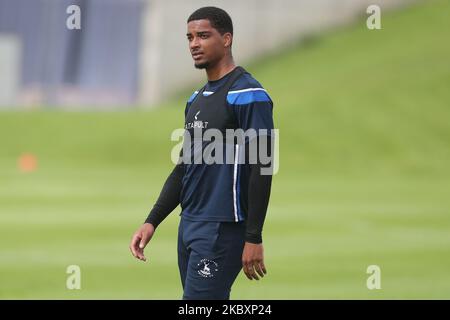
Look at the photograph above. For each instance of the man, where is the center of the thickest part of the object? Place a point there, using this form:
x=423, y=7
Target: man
x=223, y=205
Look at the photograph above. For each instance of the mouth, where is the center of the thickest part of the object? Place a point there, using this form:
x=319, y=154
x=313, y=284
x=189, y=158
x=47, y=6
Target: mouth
x=197, y=55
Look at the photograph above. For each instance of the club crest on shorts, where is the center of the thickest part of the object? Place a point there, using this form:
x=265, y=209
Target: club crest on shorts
x=207, y=268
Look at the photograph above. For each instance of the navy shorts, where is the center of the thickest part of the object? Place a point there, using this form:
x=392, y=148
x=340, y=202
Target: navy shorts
x=209, y=257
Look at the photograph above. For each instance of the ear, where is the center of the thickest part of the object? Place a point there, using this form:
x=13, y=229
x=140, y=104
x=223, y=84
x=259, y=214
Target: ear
x=227, y=40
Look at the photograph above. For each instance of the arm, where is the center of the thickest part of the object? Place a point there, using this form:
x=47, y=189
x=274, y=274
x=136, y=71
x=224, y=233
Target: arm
x=169, y=197
x=253, y=110
x=168, y=200
x=258, y=199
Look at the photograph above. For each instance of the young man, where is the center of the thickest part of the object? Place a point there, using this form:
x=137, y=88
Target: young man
x=223, y=205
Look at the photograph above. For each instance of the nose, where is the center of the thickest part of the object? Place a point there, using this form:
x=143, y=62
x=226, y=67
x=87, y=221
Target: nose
x=194, y=44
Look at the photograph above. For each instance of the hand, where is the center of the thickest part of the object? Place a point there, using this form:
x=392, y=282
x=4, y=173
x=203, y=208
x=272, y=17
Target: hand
x=253, y=260
x=140, y=239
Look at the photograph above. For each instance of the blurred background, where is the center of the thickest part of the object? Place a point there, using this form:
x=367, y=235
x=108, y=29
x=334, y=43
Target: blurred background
x=85, y=123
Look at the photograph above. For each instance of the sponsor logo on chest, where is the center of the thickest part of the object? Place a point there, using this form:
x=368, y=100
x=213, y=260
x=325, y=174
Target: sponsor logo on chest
x=197, y=124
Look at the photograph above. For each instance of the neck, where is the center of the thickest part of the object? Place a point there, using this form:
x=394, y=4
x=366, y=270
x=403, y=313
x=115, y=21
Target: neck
x=217, y=71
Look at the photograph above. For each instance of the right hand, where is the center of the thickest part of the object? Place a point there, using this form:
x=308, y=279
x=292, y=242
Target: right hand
x=140, y=239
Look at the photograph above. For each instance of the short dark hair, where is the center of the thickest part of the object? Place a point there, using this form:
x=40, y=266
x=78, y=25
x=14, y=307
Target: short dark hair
x=219, y=19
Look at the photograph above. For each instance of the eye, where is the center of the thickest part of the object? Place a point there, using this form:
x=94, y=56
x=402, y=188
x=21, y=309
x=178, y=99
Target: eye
x=204, y=36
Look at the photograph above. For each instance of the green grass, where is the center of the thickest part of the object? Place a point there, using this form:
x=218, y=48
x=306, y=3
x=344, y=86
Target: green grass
x=364, y=178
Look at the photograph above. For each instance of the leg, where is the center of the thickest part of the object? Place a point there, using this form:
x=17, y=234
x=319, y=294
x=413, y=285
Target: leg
x=183, y=255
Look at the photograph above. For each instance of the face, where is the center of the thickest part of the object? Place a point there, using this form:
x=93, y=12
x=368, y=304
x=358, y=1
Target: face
x=206, y=44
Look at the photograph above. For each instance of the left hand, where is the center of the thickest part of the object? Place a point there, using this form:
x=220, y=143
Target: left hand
x=253, y=261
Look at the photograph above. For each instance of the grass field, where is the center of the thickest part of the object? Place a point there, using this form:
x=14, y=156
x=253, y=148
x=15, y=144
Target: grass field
x=364, y=178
